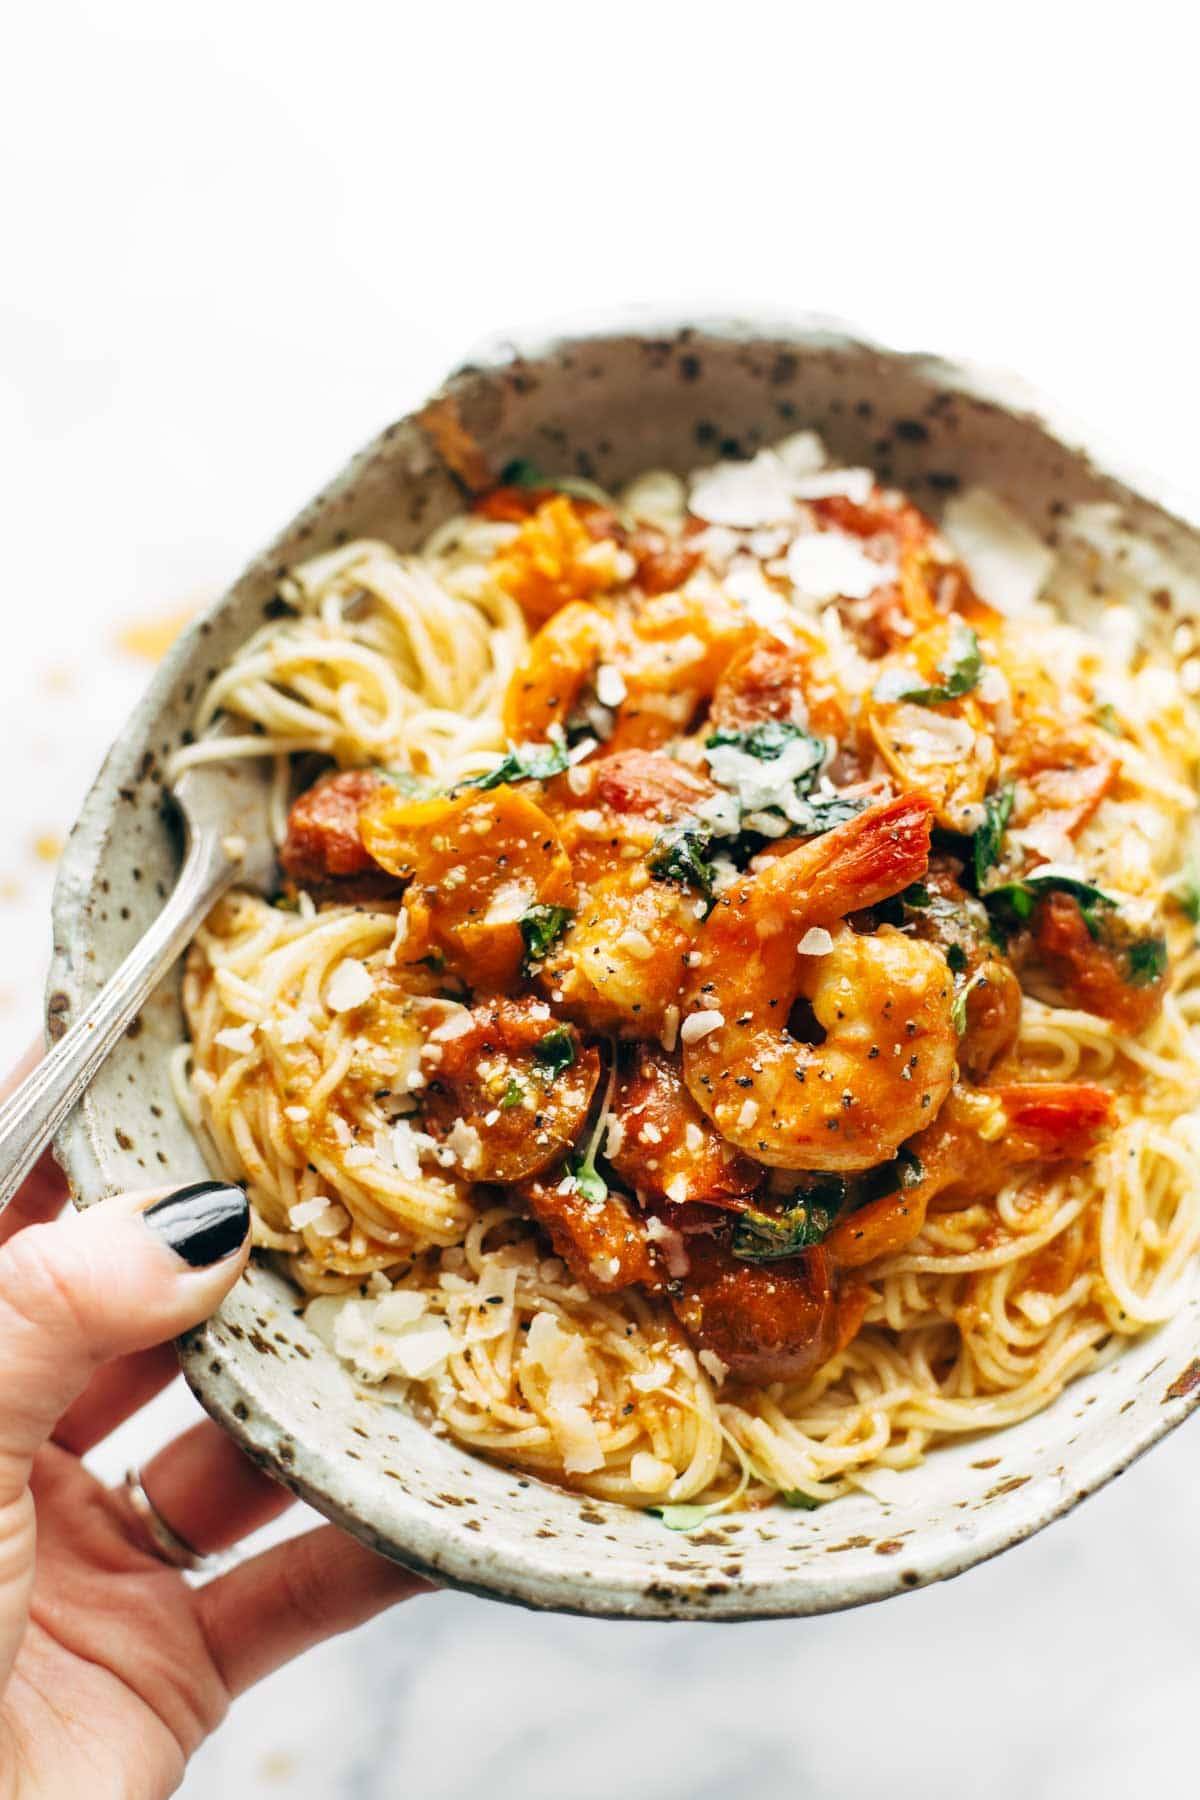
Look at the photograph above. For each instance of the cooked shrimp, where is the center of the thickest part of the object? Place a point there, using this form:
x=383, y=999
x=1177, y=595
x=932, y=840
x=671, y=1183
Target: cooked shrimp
x=663, y=1145
x=793, y=683
x=621, y=962
x=560, y=665
x=882, y=1003
x=970, y=1150
x=944, y=749
x=510, y=1084
x=554, y=558
x=477, y=863
x=667, y=653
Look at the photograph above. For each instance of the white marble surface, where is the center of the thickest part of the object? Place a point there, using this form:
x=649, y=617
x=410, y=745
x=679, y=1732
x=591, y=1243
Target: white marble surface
x=240, y=238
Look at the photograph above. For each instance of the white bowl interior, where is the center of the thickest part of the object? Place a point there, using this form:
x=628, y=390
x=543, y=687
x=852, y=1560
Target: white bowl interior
x=605, y=406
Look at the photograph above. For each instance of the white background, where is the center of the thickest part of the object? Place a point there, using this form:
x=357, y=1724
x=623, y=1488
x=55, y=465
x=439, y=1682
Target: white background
x=237, y=239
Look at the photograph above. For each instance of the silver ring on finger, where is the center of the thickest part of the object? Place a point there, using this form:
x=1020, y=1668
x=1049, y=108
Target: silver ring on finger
x=166, y=1543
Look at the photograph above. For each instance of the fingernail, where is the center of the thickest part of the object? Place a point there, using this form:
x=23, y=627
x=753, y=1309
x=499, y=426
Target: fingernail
x=203, y=1223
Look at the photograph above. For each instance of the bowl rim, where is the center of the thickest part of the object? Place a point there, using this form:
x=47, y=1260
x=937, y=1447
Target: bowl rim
x=432, y=1545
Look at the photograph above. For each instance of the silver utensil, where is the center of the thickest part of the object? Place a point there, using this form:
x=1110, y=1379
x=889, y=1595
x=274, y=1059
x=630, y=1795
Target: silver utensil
x=227, y=839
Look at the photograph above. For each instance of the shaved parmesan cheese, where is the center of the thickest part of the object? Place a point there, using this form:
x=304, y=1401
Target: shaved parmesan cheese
x=400, y=1308
x=305, y=1212
x=238, y=1038
x=929, y=735
x=571, y=1385
x=464, y=1143
x=610, y=685
x=669, y=1036
x=747, y=1115
x=349, y=986
x=657, y=498
x=743, y=494
x=388, y=1336
x=827, y=565
x=848, y=484
x=801, y=454
x=670, y=1242
x=456, y=1024
x=511, y=900
x=291, y=1026
x=815, y=942
x=697, y=1025
x=297, y=1114
x=650, y=1474
x=614, y=1136
x=712, y=1365
x=1008, y=563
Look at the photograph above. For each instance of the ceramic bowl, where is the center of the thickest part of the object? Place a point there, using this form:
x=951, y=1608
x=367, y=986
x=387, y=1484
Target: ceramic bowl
x=603, y=403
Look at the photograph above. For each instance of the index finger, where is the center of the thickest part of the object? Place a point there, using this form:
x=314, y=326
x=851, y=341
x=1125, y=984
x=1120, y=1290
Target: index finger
x=43, y=1193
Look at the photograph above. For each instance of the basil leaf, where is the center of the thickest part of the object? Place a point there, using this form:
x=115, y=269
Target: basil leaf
x=523, y=473
x=917, y=895
x=589, y=1181
x=797, y=1497
x=1146, y=961
x=514, y=1095
x=680, y=854
x=683, y=1518
x=556, y=1051
x=956, y=958
x=763, y=1237
x=1017, y=899
x=985, y=845
x=541, y=927
x=524, y=762
x=766, y=741
x=816, y=813
x=959, y=669
x=1185, y=890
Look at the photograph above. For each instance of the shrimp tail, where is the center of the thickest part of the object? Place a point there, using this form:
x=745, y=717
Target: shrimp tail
x=861, y=863
x=1053, y=1121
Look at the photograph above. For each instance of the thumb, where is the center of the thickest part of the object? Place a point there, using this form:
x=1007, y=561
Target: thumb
x=127, y=1273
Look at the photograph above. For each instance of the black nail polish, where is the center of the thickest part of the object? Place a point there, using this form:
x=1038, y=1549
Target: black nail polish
x=203, y=1223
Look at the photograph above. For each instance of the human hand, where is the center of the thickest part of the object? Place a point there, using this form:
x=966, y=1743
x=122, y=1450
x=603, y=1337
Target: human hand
x=113, y=1668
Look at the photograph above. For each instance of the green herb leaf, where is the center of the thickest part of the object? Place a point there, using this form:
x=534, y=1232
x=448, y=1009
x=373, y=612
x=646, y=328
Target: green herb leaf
x=683, y=1518
x=1106, y=718
x=762, y=1237
x=959, y=669
x=797, y=1497
x=417, y=787
x=985, y=845
x=766, y=741
x=556, y=1051
x=680, y=853
x=514, y=1095
x=526, y=474
x=815, y=813
x=956, y=958
x=525, y=762
x=1185, y=890
x=1146, y=961
x=1015, y=900
x=590, y=1182
x=917, y=895
x=541, y=928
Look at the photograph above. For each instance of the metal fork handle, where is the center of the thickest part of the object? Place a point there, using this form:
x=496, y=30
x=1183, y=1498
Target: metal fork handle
x=32, y=1115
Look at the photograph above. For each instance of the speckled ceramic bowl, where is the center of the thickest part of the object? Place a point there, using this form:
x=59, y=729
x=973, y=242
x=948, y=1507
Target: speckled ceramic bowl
x=605, y=403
